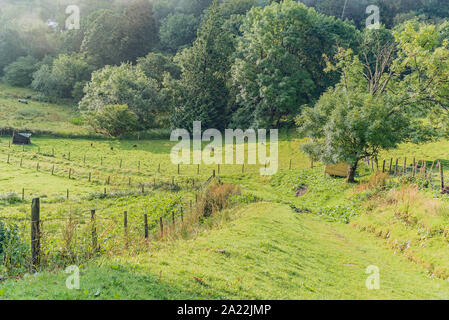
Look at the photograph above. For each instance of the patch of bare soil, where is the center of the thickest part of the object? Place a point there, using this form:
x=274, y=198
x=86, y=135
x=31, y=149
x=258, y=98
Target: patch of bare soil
x=302, y=191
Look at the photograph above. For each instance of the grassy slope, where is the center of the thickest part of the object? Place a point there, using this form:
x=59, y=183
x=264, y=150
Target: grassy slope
x=274, y=253
x=271, y=253
x=36, y=116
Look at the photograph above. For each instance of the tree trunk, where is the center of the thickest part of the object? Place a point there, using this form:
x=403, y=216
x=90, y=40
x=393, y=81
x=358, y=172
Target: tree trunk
x=351, y=172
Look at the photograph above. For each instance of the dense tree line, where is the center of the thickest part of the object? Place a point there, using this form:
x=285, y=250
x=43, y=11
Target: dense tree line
x=142, y=64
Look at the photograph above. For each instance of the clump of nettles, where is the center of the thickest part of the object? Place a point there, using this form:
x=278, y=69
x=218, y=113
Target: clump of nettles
x=13, y=251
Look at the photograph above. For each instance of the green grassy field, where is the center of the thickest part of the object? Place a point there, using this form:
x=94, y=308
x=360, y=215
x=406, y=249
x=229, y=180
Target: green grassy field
x=316, y=246
x=37, y=116
x=267, y=251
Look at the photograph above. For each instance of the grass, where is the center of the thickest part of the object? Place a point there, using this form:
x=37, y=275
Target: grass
x=313, y=246
x=266, y=252
x=412, y=224
x=36, y=116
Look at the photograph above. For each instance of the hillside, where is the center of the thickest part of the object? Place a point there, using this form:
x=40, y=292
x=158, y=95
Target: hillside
x=224, y=150
x=266, y=252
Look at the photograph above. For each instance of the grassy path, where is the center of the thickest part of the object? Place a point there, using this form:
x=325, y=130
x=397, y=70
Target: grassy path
x=267, y=252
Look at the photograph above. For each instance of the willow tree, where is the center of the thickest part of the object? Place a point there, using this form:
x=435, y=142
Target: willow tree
x=379, y=103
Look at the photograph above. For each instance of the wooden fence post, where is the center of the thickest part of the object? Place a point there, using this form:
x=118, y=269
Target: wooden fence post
x=146, y=225
x=391, y=165
x=94, y=232
x=396, y=169
x=90, y=176
x=35, y=234
x=414, y=167
x=8, y=159
x=68, y=194
x=290, y=167
x=162, y=226
x=125, y=225
x=442, y=176
x=21, y=162
x=213, y=173
x=383, y=167
x=23, y=194
x=53, y=170
x=198, y=170
x=179, y=169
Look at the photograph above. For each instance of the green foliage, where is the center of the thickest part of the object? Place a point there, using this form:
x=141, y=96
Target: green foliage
x=377, y=106
x=10, y=48
x=279, y=63
x=113, y=37
x=64, y=78
x=20, y=72
x=178, y=31
x=123, y=85
x=113, y=120
x=13, y=251
x=102, y=39
x=156, y=65
x=202, y=93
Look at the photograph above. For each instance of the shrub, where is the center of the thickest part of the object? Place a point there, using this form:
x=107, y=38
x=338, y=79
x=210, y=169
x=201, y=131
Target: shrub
x=123, y=85
x=216, y=197
x=113, y=120
x=64, y=78
x=13, y=251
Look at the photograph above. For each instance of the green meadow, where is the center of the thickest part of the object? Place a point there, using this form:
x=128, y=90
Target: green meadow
x=268, y=244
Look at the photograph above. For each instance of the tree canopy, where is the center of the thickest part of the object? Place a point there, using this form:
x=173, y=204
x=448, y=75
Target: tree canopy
x=377, y=106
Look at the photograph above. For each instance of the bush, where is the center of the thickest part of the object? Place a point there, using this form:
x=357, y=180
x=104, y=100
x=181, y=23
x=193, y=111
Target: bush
x=113, y=120
x=64, y=78
x=13, y=251
x=123, y=85
x=216, y=197
x=20, y=72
